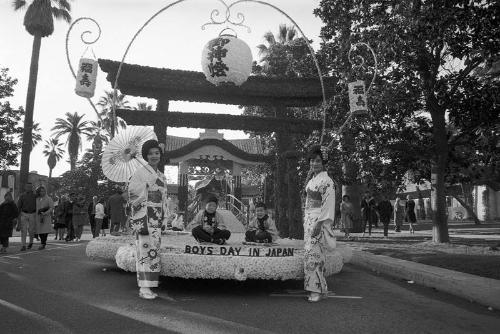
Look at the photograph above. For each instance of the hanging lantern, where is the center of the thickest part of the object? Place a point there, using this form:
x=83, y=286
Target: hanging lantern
x=226, y=60
x=86, y=77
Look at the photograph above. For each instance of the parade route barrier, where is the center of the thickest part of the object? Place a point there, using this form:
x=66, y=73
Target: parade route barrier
x=183, y=257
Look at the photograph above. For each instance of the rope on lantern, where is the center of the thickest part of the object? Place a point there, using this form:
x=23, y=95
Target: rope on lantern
x=83, y=37
x=357, y=61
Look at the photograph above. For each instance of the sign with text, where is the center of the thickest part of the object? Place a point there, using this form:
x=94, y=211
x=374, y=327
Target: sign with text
x=239, y=251
x=357, y=98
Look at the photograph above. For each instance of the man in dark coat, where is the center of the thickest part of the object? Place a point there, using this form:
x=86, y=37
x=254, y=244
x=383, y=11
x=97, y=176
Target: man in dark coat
x=368, y=212
x=385, y=213
x=8, y=213
x=68, y=213
x=116, y=208
x=27, y=215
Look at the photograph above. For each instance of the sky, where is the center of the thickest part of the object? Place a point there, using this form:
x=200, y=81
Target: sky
x=174, y=39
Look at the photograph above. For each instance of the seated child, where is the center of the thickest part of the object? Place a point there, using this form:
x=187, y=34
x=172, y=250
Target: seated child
x=210, y=224
x=262, y=227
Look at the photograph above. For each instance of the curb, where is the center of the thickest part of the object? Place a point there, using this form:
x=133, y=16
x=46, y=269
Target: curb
x=485, y=291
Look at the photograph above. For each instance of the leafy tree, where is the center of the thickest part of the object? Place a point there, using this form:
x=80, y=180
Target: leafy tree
x=74, y=128
x=430, y=48
x=283, y=55
x=39, y=22
x=106, y=103
x=9, y=120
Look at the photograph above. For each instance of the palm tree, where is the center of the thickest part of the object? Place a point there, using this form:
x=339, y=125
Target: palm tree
x=74, y=128
x=275, y=48
x=39, y=22
x=36, y=137
x=106, y=103
x=53, y=150
x=144, y=106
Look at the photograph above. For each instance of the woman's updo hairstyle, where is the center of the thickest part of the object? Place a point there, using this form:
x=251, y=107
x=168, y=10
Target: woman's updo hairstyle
x=148, y=145
x=315, y=151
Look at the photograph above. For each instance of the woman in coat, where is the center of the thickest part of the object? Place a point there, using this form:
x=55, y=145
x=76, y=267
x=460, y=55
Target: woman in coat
x=80, y=216
x=60, y=218
x=8, y=213
x=43, y=220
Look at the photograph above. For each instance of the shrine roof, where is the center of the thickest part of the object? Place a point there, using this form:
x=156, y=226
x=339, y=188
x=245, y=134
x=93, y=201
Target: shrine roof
x=238, y=151
x=250, y=145
x=169, y=84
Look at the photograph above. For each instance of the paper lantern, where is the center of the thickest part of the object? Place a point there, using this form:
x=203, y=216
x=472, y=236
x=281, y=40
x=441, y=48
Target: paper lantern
x=226, y=60
x=86, y=77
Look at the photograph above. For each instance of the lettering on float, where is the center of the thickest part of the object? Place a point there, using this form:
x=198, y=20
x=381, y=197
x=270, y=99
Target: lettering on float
x=238, y=251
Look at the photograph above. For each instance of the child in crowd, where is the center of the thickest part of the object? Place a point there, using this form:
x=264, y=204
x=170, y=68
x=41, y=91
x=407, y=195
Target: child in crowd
x=261, y=228
x=210, y=224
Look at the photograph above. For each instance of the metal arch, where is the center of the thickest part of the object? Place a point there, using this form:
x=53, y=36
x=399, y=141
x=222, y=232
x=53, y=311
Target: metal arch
x=216, y=12
x=85, y=41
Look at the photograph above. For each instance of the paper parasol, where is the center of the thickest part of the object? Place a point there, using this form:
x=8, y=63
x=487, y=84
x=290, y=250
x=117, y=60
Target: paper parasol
x=122, y=156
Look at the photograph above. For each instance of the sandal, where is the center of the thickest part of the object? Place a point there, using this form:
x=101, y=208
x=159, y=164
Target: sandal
x=314, y=298
x=147, y=295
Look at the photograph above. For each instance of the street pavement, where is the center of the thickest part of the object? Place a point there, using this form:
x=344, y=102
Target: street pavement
x=60, y=290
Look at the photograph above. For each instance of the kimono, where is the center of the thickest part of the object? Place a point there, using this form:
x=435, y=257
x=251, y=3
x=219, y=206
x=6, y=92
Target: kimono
x=148, y=196
x=320, y=207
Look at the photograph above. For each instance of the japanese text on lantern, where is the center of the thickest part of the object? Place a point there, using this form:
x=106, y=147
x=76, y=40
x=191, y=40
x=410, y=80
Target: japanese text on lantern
x=357, y=98
x=86, y=77
x=217, y=51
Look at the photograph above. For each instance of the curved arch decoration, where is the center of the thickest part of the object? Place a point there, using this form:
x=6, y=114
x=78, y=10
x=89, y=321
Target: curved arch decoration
x=86, y=38
x=357, y=61
x=228, y=19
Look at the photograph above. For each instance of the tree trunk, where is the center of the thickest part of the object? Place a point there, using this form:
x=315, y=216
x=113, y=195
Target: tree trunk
x=48, y=182
x=28, y=116
x=280, y=186
x=295, y=224
x=352, y=188
x=438, y=201
x=469, y=209
x=72, y=162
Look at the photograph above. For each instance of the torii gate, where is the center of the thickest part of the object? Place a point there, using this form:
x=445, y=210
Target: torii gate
x=165, y=85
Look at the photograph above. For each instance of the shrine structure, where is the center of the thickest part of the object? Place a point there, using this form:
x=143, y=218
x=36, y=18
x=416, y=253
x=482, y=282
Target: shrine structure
x=279, y=94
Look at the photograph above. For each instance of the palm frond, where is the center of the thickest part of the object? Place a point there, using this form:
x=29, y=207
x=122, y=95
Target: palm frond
x=64, y=4
x=61, y=14
x=18, y=4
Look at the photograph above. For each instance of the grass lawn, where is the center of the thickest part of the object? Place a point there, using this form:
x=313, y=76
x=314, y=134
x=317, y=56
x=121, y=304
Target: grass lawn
x=481, y=265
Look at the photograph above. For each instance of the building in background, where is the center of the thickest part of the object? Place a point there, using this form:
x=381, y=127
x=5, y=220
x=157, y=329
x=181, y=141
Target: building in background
x=9, y=181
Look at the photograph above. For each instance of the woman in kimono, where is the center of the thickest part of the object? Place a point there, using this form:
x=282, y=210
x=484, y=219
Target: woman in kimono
x=43, y=220
x=318, y=221
x=148, y=197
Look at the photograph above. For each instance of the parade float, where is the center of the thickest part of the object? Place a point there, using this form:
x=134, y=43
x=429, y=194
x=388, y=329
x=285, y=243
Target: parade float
x=225, y=79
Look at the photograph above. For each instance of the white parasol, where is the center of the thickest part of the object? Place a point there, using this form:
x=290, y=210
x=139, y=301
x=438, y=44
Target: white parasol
x=122, y=156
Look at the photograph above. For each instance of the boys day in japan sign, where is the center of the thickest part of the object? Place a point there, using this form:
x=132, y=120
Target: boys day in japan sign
x=238, y=251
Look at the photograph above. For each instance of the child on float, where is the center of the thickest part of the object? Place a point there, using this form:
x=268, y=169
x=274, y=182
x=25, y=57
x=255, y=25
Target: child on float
x=209, y=224
x=261, y=228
